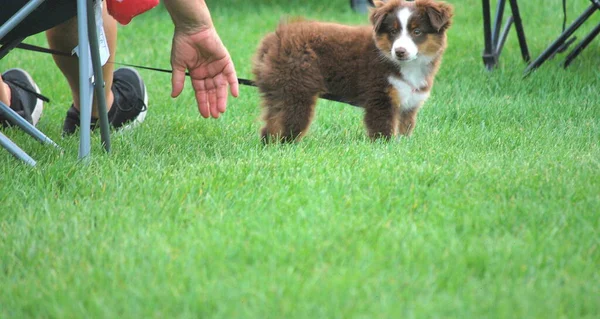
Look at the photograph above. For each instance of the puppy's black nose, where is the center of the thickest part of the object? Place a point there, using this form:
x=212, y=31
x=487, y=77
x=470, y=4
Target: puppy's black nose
x=401, y=53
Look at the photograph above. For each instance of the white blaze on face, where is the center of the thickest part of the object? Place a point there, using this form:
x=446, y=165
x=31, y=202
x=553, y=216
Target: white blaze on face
x=404, y=40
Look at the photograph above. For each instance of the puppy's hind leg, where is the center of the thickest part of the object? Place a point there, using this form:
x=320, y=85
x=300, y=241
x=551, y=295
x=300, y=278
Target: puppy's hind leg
x=289, y=89
x=297, y=117
x=273, y=118
x=288, y=120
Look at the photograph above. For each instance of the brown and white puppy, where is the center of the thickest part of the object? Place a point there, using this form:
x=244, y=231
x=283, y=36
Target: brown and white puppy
x=386, y=68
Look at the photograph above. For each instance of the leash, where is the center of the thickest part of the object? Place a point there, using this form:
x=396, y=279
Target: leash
x=35, y=48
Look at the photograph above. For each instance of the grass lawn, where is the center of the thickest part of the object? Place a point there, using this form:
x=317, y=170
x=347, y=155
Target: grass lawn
x=490, y=210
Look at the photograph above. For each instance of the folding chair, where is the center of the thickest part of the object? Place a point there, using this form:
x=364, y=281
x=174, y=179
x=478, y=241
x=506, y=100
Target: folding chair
x=89, y=64
x=561, y=42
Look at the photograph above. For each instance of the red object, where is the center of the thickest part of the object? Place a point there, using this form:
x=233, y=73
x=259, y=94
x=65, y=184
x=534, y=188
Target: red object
x=124, y=10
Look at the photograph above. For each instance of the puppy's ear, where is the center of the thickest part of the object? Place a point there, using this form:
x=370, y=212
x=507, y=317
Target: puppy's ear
x=440, y=15
x=377, y=16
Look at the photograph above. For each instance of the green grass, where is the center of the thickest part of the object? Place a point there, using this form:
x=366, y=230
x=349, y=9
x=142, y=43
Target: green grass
x=489, y=210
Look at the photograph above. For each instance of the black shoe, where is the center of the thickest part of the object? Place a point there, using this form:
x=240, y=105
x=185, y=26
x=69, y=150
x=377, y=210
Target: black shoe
x=129, y=106
x=25, y=96
x=131, y=99
x=71, y=123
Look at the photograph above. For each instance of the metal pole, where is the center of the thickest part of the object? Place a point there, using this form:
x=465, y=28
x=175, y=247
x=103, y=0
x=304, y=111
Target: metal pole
x=487, y=32
x=19, y=16
x=498, y=22
x=85, y=85
x=584, y=43
x=503, y=36
x=488, y=55
x=15, y=150
x=15, y=118
x=520, y=31
x=98, y=77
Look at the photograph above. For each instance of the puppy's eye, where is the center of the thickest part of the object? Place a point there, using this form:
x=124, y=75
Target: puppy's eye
x=393, y=31
x=417, y=32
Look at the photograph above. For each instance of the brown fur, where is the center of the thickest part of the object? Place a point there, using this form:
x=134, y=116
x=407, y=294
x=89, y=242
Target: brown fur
x=302, y=60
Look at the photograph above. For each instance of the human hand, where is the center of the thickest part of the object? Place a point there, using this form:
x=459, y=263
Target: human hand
x=210, y=66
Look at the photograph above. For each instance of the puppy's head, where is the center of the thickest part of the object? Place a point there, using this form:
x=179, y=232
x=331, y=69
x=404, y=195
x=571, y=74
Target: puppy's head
x=405, y=30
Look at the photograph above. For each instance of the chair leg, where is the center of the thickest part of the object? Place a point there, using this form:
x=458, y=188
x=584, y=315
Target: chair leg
x=15, y=150
x=582, y=45
x=560, y=40
x=85, y=86
x=489, y=58
x=98, y=77
x=498, y=19
x=494, y=39
x=500, y=41
x=15, y=118
x=520, y=31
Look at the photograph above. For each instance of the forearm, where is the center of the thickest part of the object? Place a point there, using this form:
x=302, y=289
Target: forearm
x=189, y=16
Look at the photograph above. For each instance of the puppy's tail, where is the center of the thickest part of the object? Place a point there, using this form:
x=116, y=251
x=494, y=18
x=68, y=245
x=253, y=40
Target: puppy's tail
x=289, y=20
x=269, y=43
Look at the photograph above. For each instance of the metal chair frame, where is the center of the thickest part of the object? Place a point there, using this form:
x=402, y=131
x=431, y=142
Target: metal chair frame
x=90, y=69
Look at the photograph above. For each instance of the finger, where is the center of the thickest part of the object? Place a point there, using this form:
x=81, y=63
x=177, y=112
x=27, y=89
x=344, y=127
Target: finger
x=212, y=101
x=201, y=98
x=233, y=84
x=202, y=103
x=177, y=82
x=221, y=98
x=214, y=112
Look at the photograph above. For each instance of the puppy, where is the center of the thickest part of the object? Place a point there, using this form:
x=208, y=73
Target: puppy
x=386, y=68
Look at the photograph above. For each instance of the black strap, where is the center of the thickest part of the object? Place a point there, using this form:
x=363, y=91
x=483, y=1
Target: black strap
x=26, y=89
x=35, y=48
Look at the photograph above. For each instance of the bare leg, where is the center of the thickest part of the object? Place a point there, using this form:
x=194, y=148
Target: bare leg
x=4, y=92
x=64, y=38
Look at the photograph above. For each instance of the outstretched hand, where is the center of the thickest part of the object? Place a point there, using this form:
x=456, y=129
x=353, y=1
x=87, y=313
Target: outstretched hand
x=210, y=66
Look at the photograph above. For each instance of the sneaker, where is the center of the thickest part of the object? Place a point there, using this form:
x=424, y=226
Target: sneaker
x=71, y=123
x=131, y=99
x=129, y=106
x=25, y=99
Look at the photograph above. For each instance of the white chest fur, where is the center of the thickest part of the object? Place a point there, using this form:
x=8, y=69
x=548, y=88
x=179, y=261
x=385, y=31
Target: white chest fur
x=409, y=98
x=409, y=87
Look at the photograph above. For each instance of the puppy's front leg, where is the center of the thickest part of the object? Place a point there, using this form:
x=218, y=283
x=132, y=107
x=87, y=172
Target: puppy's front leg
x=381, y=120
x=408, y=120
